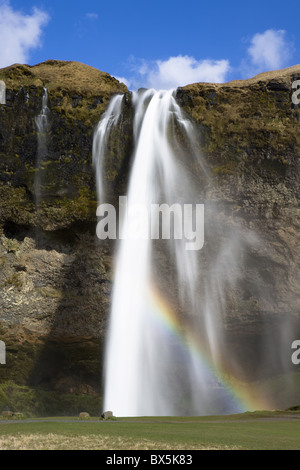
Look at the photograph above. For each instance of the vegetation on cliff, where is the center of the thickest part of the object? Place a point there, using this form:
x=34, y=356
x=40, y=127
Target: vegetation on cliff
x=78, y=95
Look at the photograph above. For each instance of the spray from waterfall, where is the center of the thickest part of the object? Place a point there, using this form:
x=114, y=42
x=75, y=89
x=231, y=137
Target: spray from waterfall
x=42, y=126
x=169, y=350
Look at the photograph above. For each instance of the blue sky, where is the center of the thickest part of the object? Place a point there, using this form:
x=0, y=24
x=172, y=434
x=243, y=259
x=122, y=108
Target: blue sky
x=159, y=43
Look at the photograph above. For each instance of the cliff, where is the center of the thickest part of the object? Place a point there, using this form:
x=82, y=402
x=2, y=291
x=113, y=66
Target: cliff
x=56, y=278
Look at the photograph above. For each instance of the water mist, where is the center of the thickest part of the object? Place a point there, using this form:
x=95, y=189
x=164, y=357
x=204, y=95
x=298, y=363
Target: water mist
x=168, y=350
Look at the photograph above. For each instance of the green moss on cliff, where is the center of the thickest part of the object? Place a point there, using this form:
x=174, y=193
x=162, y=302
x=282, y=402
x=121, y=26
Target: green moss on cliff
x=76, y=90
x=62, y=175
x=242, y=119
x=61, y=212
x=16, y=205
x=37, y=402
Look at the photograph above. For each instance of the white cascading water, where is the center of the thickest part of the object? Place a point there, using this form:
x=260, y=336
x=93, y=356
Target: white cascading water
x=168, y=349
x=152, y=364
x=42, y=126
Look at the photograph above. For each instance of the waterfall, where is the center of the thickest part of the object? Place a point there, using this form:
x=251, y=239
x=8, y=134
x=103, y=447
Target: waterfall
x=152, y=365
x=42, y=126
x=168, y=347
x=42, y=122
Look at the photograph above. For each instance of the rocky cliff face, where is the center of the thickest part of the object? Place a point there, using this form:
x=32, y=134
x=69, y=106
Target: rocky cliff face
x=56, y=278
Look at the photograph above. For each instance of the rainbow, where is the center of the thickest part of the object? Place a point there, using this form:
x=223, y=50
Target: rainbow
x=245, y=396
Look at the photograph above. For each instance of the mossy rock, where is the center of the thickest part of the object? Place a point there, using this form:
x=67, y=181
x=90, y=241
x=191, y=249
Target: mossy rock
x=61, y=180
x=244, y=119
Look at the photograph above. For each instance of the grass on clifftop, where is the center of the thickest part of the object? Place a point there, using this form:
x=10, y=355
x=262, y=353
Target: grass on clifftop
x=69, y=76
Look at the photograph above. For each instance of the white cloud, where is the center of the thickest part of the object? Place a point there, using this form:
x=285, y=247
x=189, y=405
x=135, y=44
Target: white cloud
x=122, y=80
x=92, y=16
x=19, y=33
x=179, y=71
x=268, y=51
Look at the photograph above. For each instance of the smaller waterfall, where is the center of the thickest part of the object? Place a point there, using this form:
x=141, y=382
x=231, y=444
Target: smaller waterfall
x=42, y=121
x=42, y=126
x=108, y=122
x=2, y=92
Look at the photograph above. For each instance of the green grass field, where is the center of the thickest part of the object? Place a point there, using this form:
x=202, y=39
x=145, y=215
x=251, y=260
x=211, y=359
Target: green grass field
x=254, y=431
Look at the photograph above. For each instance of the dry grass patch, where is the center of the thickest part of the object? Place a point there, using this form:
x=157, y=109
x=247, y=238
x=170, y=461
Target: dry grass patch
x=53, y=441
x=67, y=75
